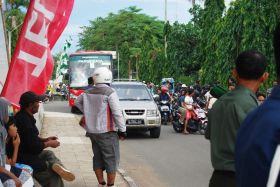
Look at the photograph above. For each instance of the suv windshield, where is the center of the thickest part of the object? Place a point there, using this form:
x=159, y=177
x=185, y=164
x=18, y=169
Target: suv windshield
x=132, y=92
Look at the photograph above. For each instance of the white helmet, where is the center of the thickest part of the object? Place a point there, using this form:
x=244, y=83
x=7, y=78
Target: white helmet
x=102, y=75
x=184, y=86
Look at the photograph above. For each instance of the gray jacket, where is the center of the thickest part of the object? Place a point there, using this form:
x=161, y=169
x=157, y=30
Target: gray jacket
x=101, y=109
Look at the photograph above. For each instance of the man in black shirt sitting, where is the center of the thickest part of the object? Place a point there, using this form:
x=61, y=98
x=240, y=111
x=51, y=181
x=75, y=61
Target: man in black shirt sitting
x=48, y=169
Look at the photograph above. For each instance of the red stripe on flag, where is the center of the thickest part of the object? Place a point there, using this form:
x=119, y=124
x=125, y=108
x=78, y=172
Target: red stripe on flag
x=32, y=64
x=108, y=118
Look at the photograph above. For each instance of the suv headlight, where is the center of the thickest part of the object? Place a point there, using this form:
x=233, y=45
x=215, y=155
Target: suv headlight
x=151, y=113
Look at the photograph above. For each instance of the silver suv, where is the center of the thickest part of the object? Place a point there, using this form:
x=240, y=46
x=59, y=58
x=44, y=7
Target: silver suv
x=138, y=107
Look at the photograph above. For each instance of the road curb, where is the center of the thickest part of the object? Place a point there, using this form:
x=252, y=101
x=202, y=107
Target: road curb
x=127, y=178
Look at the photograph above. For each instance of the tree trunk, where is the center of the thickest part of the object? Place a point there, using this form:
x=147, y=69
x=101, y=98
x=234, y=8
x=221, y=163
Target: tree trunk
x=129, y=70
x=137, y=68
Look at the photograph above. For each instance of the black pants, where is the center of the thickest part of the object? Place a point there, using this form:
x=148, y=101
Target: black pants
x=222, y=179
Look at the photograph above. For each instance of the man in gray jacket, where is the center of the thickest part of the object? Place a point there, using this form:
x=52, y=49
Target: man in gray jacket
x=104, y=124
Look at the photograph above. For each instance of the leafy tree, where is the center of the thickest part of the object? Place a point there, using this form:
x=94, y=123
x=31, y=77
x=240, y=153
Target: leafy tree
x=182, y=40
x=240, y=29
x=56, y=58
x=14, y=29
x=124, y=32
x=211, y=15
x=16, y=4
x=205, y=47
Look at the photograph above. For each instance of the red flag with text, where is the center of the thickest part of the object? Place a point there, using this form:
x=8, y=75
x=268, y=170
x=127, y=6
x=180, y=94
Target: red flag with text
x=32, y=64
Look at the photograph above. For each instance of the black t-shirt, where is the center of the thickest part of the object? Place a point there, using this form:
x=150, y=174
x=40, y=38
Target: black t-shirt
x=30, y=144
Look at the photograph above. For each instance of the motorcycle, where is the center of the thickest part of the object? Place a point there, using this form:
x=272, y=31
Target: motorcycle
x=164, y=111
x=197, y=124
x=48, y=97
x=64, y=95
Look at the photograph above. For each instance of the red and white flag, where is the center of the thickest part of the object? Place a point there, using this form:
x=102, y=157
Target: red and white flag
x=32, y=63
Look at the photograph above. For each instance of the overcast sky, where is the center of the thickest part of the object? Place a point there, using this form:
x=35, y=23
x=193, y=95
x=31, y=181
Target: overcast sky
x=85, y=10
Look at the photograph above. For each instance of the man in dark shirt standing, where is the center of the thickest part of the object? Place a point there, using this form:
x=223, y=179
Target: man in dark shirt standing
x=229, y=111
x=48, y=169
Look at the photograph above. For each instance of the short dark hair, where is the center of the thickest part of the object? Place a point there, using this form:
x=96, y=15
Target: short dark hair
x=250, y=65
x=190, y=91
x=90, y=80
x=276, y=44
x=260, y=94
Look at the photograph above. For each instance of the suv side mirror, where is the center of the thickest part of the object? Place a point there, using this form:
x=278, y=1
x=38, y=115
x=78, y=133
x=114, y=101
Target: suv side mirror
x=156, y=97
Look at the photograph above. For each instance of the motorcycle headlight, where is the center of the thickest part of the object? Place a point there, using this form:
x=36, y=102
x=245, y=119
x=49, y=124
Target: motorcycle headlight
x=151, y=113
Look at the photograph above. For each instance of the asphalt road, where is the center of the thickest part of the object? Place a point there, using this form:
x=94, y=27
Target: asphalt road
x=170, y=161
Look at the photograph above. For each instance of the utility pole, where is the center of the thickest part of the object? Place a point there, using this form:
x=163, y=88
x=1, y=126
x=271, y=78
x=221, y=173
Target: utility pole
x=165, y=38
x=14, y=27
x=118, y=65
x=129, y=70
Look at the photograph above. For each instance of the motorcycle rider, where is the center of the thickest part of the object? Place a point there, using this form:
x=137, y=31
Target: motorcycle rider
x=182, y=105
x=189, y=108
x=64, y=91
x=164, y=95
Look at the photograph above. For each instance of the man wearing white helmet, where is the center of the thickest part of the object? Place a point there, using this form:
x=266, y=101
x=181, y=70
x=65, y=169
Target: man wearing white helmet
x=104, y=124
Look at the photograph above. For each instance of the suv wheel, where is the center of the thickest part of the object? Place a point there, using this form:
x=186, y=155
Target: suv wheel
x=155, y=132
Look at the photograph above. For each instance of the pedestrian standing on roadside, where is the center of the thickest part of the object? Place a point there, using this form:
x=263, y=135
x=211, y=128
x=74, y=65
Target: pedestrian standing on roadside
x=47, y=168
x=258, y=139
x=104, y=124
x=229, y=111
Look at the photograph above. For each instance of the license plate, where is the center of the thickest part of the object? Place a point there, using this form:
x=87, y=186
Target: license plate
x=164, y=108
x=134, y=121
